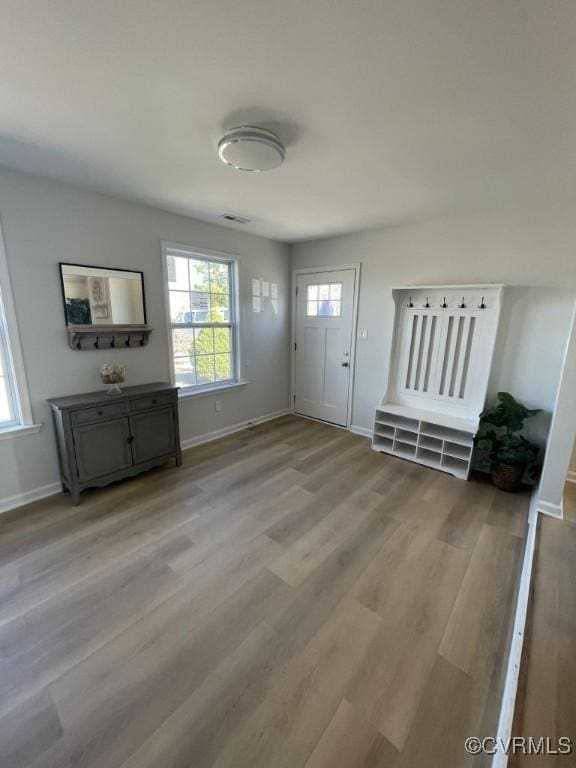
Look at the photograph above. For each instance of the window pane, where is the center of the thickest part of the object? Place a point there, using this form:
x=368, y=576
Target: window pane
x=219, y=282
x=205, y=369
x=204, y=341
x=183, y=342
x=312, y=293
x=329, y=308
x=179, y=307
x=222, y=340
x=324, y=291
x=312, y=308
x=5, y=414
x=223, y=367
x=199, y=275
x=177, y=273
x=336, y=291
x=200, y=307
x=184, y=370
x=219, y=309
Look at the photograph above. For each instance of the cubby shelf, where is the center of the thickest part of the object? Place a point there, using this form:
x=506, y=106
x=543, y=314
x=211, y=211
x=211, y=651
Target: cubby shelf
x=440, y=446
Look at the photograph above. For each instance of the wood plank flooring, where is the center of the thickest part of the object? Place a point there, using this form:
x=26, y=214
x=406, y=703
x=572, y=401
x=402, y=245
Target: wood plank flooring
x=546, y=702
x=286, y=599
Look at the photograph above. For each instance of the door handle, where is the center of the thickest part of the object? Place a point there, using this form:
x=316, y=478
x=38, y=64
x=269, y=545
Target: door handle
x=345, y=365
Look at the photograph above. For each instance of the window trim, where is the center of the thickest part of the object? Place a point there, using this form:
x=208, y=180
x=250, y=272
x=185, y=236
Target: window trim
x=23, y=422
x=206, y=254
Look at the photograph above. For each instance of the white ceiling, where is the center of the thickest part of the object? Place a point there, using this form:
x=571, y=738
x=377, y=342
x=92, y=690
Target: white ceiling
x=391, y=110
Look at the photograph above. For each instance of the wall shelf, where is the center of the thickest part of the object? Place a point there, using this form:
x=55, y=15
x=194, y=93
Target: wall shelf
x=81, y=337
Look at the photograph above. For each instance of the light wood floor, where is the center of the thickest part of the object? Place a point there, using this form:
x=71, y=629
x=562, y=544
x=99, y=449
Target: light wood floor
x=286, y=599
x=546, y=702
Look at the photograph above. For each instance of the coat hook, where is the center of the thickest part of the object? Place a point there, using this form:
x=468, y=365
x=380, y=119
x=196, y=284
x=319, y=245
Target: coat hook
x=444, y=305
x=97, y=343
x=427, y=305
x=128, y=340
x=482, y=305
x=463, y=305
x=113, y=342
x=410, y=305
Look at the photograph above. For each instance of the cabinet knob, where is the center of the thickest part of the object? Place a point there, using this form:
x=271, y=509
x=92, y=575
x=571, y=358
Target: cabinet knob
x=154, y=402
x=130, y=439
x=100, y=413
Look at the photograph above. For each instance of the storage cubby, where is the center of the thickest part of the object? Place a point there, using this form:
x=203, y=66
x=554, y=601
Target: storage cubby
x=404, y=436
x=442, y=447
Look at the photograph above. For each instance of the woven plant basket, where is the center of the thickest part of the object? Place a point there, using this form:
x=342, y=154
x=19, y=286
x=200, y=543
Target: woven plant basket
x=508, y=477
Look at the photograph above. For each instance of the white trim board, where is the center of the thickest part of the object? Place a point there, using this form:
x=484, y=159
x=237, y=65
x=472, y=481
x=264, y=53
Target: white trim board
x=363, y=431
x=225, y=431
x=506, y=720
x=553, y=510
x=27, y=497
x=21, y=499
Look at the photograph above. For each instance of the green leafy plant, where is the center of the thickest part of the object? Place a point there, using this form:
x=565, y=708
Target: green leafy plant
x=504, y=445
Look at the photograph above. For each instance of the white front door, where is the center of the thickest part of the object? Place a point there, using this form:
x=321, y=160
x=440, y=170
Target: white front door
x=324, y=325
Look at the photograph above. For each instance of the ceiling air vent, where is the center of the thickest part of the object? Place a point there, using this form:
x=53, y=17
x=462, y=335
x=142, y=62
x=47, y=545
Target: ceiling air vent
x=235, y=219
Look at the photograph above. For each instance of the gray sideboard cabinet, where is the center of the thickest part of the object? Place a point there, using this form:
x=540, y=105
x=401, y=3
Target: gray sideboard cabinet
x=103, y=438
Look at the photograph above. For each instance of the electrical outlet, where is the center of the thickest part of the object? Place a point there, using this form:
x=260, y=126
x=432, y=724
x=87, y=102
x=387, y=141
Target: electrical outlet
x=217, y=405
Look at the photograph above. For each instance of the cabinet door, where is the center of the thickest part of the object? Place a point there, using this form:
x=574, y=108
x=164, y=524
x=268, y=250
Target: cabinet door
x=154, y=434
x=102, y=448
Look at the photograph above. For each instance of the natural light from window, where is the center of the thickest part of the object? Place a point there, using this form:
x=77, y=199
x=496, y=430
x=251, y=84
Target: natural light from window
x=202, y=320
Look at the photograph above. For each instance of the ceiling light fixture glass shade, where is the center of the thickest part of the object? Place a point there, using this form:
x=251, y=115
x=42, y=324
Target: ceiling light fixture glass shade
x=251, y=149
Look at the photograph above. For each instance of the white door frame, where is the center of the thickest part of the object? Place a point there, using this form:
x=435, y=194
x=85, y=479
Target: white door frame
x=312, y=271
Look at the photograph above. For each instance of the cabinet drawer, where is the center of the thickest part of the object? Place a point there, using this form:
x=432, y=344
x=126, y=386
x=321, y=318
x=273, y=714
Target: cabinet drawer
x=99, y=413
x=153, y=401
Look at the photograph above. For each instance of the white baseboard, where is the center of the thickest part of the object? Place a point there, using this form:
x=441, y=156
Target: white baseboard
x=506, y=720
x=571, y=477
x=209, y=436
x=364, y=431
x=20, y=499
x=554, y=510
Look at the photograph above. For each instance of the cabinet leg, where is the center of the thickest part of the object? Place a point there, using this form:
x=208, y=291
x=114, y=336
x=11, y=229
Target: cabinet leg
x=75, y=496
x=179, y=459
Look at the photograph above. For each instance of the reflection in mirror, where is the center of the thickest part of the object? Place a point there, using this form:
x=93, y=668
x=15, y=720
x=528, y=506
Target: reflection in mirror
x=95, y=296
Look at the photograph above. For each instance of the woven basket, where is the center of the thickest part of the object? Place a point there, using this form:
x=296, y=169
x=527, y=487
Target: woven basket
x=508, y=477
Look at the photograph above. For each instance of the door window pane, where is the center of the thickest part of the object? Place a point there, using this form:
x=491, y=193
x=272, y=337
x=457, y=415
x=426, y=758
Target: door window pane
x=324, y=300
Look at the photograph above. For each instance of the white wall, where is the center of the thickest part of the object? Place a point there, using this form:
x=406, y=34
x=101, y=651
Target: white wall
x=45, y=222
x=533, y=252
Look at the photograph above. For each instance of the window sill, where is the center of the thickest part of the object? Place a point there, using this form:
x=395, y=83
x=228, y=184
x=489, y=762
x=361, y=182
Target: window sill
x=210, y=390
x=19, y=431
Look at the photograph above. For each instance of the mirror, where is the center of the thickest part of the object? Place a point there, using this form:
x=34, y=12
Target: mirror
x=95, y=296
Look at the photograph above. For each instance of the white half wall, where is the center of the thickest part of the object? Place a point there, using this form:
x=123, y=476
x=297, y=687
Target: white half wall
x=45, y=222
x=533, y=252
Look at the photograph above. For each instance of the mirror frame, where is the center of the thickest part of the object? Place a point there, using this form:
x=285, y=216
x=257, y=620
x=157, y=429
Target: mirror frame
x=110, y=327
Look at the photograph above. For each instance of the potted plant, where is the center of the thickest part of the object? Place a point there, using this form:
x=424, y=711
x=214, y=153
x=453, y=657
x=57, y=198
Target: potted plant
x=509, y=452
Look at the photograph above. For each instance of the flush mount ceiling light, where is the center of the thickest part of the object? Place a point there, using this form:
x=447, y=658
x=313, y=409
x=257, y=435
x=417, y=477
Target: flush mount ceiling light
x=251, y=149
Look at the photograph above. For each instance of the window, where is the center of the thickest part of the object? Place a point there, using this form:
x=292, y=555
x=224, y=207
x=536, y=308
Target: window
x=324, y=300
x=202, y=318
x=15, y=412
x=9, y=411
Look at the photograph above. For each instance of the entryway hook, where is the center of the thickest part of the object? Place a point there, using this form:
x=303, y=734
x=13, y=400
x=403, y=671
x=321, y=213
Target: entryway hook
x=427, y=305
x=462, y=306
x=444, y=305
x=482, y=305
x=410, y=305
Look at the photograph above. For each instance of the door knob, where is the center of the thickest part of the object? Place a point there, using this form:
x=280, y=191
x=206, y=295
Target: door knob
x=345, y=365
